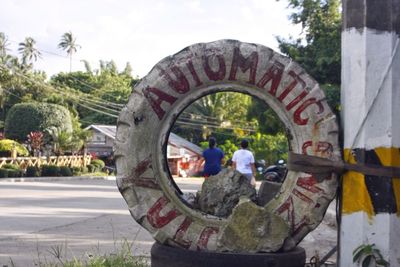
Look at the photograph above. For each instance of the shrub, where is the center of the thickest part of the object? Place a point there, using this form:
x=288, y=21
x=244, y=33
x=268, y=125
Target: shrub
x=3, y=173
x=50, y=170
x=35, y=117
x=13, y=170
x=76, y=170
x=84, y=169
x=98, y=163
x=65, y=171
x=32, y=171
x=91, y=168
x=14, y=173
x=7, y=145
x=11, y=166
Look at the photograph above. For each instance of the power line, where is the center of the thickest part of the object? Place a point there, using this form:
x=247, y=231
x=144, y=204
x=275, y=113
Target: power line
x=58, y=90
x=212, y=126
x=214, y=118
x=73, y=91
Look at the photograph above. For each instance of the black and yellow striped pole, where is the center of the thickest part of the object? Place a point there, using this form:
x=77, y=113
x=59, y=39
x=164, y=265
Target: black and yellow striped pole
x=371, y=124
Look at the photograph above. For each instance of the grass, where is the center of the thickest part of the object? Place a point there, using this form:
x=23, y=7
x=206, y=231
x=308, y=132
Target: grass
x=122, y=257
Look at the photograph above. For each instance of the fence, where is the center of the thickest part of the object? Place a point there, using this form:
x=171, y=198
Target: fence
x=24, y=162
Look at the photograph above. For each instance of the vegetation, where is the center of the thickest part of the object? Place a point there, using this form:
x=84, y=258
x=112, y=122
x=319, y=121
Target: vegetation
x=319, y=51
x=7, y=146
x=96, y=95
x=24, y=118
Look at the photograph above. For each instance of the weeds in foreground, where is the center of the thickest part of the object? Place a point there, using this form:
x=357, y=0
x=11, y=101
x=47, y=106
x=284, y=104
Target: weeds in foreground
x=122, y=257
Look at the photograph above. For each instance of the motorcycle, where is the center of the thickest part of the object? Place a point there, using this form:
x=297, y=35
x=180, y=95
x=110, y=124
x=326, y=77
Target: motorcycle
x=275, y=173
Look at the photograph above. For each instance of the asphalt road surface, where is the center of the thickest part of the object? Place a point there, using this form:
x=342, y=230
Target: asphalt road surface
x=78, y=218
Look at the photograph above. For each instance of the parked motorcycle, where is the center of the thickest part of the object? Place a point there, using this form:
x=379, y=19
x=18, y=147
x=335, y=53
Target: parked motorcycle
x=275, y=173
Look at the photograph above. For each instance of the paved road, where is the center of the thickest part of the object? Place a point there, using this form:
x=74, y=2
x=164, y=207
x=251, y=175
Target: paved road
x=84, y=217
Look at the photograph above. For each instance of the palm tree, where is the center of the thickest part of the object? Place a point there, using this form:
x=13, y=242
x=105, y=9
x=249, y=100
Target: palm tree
x=68, y=43
x=3, y=45
x=28, y=51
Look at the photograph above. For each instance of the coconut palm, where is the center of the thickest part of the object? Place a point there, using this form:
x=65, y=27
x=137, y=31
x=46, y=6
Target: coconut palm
x=3, y=45
x=29, y=51
x=68, y=43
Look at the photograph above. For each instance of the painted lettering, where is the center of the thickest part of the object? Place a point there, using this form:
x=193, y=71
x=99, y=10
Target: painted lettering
x=155, y=97
x=309, y=184
x=288, y=207
x=180, y=84
x=321, y=147
x=205, y=236
x=301, y=196
x=244, y=64
x=292, y=85
x=297, y=114
x=194, y=73
x=136, y=175
x=295, y=101
x=180, y=233
x=273, y=75
x=154, y=216
x=214, y=75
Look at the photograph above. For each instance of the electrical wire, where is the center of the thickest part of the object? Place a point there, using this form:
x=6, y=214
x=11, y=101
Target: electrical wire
x=60, y=91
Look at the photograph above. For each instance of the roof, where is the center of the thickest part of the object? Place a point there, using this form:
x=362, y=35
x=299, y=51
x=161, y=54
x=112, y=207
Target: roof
x=176, y=140
x=108, y=130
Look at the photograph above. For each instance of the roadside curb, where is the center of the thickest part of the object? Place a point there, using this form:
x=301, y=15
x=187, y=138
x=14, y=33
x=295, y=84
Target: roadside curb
x=54, y=179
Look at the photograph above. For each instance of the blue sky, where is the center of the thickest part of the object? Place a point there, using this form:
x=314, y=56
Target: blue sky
x=141, y=32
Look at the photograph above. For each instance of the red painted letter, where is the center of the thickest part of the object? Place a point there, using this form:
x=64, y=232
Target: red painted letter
x=297, y=114
x=180, y=233
x=156, y=102
x=181, y=84
x=244, y=63
x=214, y=75
x=153, y=215
x=273, y=74
x=292, y=85
x=204, y=236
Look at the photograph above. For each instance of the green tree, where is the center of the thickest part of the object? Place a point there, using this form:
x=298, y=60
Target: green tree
x=319, y=51
x=24, y=118
x=4, y=44
x=264, y=117
x=271, y=148
x=68, y=43
x=127, y=70
x=29, y=52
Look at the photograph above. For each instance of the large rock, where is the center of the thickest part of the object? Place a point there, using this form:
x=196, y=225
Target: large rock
x=220, y=193
x=254, y=229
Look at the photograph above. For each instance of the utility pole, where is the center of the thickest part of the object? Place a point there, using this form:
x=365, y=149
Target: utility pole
x=371, y=123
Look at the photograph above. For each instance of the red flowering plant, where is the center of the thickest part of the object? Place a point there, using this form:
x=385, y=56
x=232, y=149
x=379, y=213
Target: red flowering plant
x=35, y=141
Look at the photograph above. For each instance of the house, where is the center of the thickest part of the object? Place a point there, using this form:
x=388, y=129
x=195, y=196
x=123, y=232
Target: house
x=184, y=157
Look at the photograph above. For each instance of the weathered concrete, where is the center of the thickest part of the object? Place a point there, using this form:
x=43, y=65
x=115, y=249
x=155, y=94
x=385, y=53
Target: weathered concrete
x=220, y=193
x=179, y=80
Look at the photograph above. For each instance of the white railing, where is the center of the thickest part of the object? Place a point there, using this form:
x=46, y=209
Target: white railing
x=24, y=162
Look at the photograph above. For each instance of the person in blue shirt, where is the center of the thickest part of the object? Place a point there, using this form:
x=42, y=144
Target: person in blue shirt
x=213, y=157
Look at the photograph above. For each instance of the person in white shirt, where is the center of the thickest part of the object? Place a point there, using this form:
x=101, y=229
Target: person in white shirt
x=243, y=161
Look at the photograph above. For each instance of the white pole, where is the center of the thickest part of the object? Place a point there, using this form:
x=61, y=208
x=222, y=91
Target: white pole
x=371, y=123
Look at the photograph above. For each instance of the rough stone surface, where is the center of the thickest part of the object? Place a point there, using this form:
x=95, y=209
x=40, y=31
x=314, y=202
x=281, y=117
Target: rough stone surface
x=267, y=191
x=221, y=193
x=254, y=229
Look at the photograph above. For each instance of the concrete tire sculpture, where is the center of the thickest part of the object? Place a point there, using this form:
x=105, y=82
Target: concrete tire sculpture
x=174, y=83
